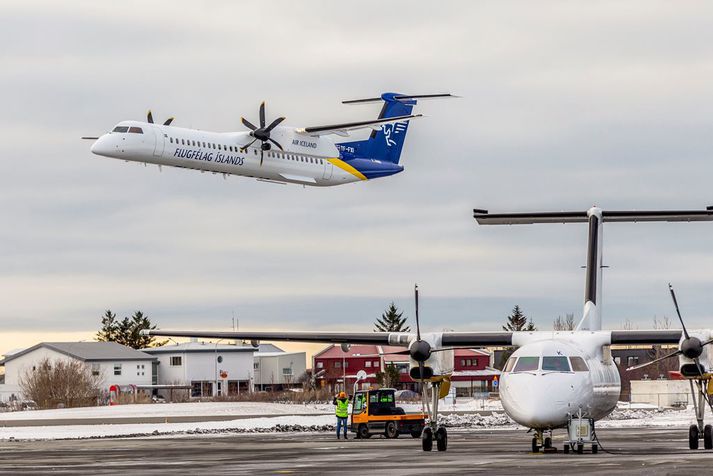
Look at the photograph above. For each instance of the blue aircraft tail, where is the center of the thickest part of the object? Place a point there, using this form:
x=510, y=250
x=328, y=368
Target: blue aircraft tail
x=386, y=143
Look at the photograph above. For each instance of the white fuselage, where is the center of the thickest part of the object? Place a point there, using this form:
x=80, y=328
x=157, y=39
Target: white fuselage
x=561, y=374
x=306, y=160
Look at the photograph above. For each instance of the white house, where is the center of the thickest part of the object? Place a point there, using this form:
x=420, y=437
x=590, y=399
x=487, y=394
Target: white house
x=114, y=363
x=210, y=369
x=276, y=369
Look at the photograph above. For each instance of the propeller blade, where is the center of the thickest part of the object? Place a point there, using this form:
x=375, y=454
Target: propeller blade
x=89, y=138
x=274, y=124
x=262, y=115
x=698, y=367
x=675, y=303
x=168, y=121
x=646, y=364
x=247, y=124
x=276, y=143
x=418, y=326
x=245, y=147
x=149, y=117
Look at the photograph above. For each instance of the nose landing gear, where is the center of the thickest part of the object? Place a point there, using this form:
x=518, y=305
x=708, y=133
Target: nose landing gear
x=700, y=391
x=432, y=429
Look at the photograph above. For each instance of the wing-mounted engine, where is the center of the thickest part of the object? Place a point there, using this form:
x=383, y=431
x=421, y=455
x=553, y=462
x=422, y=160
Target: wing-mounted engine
x=693, y=348
x=429, y=360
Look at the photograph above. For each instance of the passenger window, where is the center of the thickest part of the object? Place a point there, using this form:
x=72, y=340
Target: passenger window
x=527, y=364
x=555, y=364
x=170, y=139
x=121, y=129
x=136, y=130
x=578, y=364
x=510, y=364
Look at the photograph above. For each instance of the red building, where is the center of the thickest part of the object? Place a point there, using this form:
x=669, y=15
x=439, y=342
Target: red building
x=472, y=372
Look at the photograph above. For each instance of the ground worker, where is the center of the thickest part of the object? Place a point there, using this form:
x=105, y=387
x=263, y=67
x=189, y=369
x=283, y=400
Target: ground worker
x=341, y=409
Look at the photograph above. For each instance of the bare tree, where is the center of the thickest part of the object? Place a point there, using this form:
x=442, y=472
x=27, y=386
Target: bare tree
x=61, y=382
x=566, y=324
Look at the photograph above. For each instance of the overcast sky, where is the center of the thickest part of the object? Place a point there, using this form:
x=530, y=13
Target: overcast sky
x=564, y=105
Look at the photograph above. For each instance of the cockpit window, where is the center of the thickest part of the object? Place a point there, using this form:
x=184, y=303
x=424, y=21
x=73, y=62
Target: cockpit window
x=510, y=364
x=136, y=130
x=578, y=364
x=527, y=364
x=555, y=364
x=121, y=129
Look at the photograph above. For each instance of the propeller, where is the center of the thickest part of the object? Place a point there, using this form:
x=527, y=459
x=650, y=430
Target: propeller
x=691, y=347
x=262, y=133
x=149, y=119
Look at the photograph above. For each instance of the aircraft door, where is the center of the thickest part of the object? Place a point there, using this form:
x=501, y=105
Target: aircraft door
x=328, y=169
x=160, y=142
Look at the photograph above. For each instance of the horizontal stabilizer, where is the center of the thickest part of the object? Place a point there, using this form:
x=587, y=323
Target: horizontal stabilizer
x=485, y=218
x=350, y=126
x=399, y=97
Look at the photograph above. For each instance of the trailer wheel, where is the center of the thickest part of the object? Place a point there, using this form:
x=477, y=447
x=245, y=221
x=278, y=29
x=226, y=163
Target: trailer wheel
x=391, y=431
x=363, y=431
x=416, y=433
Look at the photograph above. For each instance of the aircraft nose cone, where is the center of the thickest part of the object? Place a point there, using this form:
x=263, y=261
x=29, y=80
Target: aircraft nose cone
x=101, y=146
x=533, y=401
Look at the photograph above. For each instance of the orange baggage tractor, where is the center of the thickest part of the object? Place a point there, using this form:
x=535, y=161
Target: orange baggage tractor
x=374, y=412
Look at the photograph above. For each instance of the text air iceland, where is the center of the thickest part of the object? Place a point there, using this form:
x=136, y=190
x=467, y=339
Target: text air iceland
x=208, y=156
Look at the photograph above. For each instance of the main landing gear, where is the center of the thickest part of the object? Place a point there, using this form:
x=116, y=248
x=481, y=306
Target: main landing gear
x=432, y=431
x=701, y=397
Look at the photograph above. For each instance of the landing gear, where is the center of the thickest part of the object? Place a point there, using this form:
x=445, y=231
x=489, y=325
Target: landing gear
x=427, y=439
x=700, y=389
x=441, y=439
x=542, y=441
x=535, y=445
x=432, y=428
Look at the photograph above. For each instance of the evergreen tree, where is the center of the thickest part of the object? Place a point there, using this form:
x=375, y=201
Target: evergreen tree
x=517, y=321
x=391, y=321
x=128, y=331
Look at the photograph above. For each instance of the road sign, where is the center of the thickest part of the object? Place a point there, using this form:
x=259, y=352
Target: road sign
x=495, y=382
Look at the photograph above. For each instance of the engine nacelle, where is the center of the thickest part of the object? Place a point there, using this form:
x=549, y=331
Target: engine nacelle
x=687, y=366
x=438, y=365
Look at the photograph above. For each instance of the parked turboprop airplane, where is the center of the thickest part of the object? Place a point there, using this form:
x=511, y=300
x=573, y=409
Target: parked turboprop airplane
x=306, y=156
x=558, y=379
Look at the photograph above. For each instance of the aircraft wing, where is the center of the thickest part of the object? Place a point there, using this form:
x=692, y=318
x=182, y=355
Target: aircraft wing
x=454, y=339
x=663, y=336
x=343, y=129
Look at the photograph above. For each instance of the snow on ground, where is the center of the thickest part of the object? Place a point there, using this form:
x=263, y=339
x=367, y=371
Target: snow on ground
x=282, y=418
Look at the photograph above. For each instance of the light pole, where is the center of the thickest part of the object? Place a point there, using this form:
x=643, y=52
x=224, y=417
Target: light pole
x=215, y=391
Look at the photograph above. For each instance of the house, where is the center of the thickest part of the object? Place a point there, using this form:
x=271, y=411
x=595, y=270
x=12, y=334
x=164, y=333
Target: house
x=211, y=369
x=113, y=363
x=333, y=367
x=275, y=369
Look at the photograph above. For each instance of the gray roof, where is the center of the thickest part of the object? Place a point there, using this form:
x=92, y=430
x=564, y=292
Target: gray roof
x=268, y=348
x=87, y=351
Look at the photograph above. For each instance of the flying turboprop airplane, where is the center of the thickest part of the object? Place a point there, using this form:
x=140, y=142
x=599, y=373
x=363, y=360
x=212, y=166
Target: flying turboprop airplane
x=305, y=156
x=554, y=379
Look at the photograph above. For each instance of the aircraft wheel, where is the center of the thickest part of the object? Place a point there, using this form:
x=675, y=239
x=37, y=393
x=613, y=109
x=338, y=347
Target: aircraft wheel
x=391, y=431
x=427, y=439
x=566, y=448
x=441, y=439
x=535, y=446
x=548, y=442
x=580, y=448
x=693, y=437
x=595, y=448
x=708, y=437
x=363, y=431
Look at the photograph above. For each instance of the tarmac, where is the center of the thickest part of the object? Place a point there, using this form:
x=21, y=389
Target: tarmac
x=635, y=451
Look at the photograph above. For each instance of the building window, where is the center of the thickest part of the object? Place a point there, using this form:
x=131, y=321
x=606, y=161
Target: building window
x=287, y=371
x=320, y=365
x=176, y=361
x=117, y=369
x=632, y=360
x=346, y=364
x=376, y=363
x=337, y=365
x=462, y=362
x=95, y=369
x=368, y=363
x=617, y=360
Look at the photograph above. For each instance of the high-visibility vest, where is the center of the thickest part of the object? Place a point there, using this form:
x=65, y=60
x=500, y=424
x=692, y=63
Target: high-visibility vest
x=342, y=409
